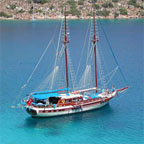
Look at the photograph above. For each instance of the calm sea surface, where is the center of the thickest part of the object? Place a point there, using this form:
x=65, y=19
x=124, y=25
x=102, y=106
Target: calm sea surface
x=120, y=122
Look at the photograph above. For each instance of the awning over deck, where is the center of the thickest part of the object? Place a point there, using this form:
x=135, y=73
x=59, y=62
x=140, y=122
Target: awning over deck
x=45, y=96
x=50, y=91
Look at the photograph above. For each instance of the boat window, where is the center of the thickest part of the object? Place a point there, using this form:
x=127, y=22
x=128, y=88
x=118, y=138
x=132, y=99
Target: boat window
x=76, y=100
x=53, y=100
x=67, y=101
x=70, y=100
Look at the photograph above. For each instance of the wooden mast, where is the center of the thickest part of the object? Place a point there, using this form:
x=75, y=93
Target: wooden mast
x=65, y=47
x=94, y=46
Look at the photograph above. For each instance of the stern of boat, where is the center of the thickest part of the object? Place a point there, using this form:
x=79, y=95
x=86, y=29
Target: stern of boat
x=31, y=111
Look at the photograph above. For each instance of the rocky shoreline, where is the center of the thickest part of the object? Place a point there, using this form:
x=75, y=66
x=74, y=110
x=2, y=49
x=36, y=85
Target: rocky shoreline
x=59, y=18
x=77, y=9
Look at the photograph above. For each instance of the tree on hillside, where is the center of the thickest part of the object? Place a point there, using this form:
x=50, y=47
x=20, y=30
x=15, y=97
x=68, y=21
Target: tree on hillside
x=103, y=13
x=107, y=4
x=115, y=1
x=93, y=1
x=73, y=9
x=123, y=11
x=41, y=1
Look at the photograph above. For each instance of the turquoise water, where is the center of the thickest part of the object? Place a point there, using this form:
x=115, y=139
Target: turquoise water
x=120, y=122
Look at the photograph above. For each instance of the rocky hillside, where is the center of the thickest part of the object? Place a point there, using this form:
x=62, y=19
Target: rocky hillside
x=45, y=9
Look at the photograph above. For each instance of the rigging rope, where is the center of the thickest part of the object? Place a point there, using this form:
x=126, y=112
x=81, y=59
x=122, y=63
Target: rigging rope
x=83, y=48
x=113, y=54
x=86, y=78
x=29, y=78
x=71, y=70
x=113, y=71
x=100, y=69
x=112, y=76
x=103, y=60
x=39, y=61
x=57, y=56
x=89, y=44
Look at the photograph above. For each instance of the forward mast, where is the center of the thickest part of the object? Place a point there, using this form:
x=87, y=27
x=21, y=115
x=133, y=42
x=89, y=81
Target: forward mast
x=65, y=47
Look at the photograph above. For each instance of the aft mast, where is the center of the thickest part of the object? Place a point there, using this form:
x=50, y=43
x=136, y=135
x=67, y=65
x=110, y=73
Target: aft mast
x=94, y=47
x=65, y=47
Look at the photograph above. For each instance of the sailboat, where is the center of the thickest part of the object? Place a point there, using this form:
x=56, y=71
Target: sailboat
x=63, y=101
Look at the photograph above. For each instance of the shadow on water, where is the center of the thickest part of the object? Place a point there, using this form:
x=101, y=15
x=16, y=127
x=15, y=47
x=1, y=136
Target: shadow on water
x=60, y=121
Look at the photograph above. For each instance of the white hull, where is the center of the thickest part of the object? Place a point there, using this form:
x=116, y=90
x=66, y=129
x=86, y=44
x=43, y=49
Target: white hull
x=82, y=109
x=85, y=105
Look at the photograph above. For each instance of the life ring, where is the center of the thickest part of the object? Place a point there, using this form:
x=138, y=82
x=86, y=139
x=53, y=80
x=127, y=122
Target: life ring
x=63, y=101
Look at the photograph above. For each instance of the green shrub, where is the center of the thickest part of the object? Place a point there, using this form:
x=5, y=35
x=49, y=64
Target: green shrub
x=21, y=11
x=111, y=5
x=2, y=14
x=115, y=1
x=13, y=6
x=138, y=6
x=51, y=7
x=39, y=11
x=123, y=11
x=142, y=7
x=90, y=14
x=43, y=1
x=96, y=6
x=135, y=4
x=80, y=2
x=93, y=1
x=103, y=13
x=29, y=1
x=74, y=12
x=107, y=5
x=142, y=13
x=132, y=2
x=37, y=1
x=71, y=2
x=116, y=14
x=30, y=11
x=73, y=9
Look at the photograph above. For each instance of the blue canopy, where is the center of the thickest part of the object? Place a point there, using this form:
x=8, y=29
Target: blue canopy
x=94, y=95
x=50, y=91
x=45, y=96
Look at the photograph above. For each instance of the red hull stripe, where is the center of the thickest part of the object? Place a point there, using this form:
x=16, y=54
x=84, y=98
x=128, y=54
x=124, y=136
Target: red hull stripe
x=75, y=106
